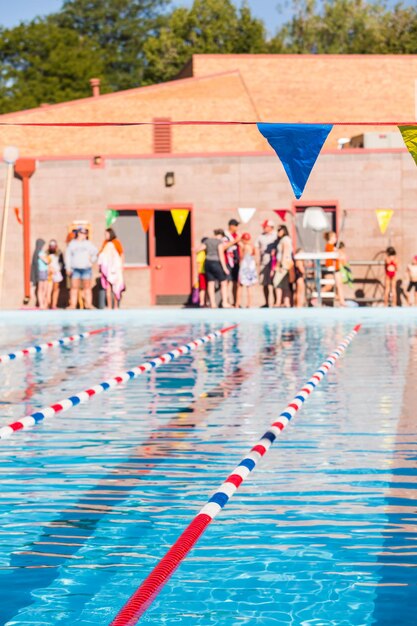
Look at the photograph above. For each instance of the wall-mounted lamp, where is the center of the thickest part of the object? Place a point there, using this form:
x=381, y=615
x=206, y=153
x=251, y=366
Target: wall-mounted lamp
x=169, y=179
x=97, y=162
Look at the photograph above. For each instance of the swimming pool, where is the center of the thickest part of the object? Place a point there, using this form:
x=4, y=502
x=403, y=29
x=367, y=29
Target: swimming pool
x=325, y=530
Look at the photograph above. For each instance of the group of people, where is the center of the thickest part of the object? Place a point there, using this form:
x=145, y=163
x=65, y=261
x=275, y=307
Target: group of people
x=52, y=269
x=236, y=264
x=230, y=258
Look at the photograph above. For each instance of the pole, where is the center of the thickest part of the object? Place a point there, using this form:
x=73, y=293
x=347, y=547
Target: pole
x=24, y=168
x=4, y=223
x=26, y=239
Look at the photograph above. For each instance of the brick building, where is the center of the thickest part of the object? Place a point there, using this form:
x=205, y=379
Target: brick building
x=214, y=170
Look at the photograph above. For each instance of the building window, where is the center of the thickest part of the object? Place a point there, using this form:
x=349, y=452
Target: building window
x=162, y=135
x=135, y=242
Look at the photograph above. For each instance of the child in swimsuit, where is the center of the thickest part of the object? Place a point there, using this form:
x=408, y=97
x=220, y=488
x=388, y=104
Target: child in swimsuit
x=248, y=272
x=345, y=269
x=391, y=268
x=412, y=276
x=202, y=278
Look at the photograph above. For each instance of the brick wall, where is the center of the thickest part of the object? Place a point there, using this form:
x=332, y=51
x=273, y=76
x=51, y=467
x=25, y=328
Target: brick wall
x=216, y=98
x=280, y=88
x=216, y=186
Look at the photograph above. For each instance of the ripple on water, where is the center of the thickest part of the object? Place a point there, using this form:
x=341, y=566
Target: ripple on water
x=323, y=533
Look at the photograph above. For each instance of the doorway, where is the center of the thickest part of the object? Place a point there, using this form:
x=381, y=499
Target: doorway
x=170, y=258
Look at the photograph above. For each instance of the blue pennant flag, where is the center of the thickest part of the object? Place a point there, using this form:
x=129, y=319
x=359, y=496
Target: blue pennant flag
x=297, y=147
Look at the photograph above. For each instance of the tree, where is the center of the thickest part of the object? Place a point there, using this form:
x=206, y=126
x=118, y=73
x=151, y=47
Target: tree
x=250, y=33
x=43, y=63
x=351, y=27
x=127, y=43
x=400, y=27
x=210, y=26
x=348, y=27
x=120, y=29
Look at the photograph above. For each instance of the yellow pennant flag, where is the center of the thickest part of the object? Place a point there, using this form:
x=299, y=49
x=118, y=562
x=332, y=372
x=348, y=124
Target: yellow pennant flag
x=180, y=217
x=384, y=217
x=409, y=134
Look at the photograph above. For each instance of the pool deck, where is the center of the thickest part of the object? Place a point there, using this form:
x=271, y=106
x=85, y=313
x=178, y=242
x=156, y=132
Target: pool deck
x=166, y=315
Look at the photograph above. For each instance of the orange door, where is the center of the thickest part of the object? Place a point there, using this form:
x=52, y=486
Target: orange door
x=172, y=260
x=172, y=276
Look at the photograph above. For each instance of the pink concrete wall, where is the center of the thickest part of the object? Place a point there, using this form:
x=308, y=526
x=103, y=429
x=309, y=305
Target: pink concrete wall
x=360, y=181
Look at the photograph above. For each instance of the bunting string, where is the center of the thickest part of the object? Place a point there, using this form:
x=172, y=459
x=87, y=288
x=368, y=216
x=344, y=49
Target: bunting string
x=197, y=123
x=297, y=146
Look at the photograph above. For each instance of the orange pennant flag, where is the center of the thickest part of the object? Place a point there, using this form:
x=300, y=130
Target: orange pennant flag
x=17, y=213
x=145, y=216
x=180, y=217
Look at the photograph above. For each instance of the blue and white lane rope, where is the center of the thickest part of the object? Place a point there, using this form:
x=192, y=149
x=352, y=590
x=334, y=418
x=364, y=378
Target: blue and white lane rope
x=149, y=589
x=50, y=411
x=43, y=347
x=247, y=465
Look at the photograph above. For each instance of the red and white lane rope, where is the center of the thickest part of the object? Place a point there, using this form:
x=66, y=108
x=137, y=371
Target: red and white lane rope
x=50, y=411
x=152, y=585
x=43, y=347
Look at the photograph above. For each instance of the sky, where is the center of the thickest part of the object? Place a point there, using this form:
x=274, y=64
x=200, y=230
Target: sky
x=14, y=11
x=273, y=12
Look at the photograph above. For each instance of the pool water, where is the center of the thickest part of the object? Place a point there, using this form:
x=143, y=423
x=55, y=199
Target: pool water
x=324, y=532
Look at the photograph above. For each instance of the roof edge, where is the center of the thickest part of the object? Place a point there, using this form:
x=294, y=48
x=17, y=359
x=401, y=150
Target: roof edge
x=121, y=93
x=302, y=55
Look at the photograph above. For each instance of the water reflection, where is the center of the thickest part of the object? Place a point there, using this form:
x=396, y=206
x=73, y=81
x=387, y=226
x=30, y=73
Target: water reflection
x=323, y=533
x=62, y=538
x=396, y=588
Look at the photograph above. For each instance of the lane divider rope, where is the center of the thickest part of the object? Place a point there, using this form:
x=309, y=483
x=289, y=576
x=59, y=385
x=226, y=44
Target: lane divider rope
x=146, y=593
x=43, y=347
x=50, y=411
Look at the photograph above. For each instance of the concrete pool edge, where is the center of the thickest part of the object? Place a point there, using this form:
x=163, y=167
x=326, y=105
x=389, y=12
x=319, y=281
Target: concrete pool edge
x=169, y=315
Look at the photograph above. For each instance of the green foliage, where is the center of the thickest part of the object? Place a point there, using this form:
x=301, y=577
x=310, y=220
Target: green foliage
x=128, y=43
x=400, y=27
x=348, y=27
x=210, y=26
x=43, y=63
x=120, y=29
x=51, y=60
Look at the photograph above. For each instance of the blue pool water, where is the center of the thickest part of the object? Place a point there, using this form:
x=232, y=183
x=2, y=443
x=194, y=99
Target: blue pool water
x=323, y=533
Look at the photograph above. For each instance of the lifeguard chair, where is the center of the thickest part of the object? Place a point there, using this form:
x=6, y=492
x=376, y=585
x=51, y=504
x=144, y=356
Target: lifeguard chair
x=316, y=222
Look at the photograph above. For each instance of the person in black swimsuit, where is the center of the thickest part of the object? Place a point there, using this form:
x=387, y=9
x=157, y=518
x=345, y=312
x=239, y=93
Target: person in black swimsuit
x=216, y=269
